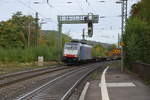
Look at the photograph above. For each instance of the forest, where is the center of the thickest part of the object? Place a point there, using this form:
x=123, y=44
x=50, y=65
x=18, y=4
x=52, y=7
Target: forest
x=21, y=40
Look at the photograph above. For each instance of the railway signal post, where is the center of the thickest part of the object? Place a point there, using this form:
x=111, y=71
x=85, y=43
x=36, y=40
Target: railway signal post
x=75, y=19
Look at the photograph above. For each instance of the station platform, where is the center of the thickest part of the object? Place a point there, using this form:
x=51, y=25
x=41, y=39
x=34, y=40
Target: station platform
x=115, y=85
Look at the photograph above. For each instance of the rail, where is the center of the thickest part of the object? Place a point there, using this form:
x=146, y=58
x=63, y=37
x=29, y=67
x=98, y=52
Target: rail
x=42, y=88
x=19, y=76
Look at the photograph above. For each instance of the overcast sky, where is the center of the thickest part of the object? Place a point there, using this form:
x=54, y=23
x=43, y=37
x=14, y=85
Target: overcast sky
x=106, y=30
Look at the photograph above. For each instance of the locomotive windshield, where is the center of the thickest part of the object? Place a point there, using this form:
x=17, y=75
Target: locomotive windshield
x=71, y=46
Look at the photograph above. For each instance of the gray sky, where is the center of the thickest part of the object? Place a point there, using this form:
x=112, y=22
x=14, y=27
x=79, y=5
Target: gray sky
x=105, y=31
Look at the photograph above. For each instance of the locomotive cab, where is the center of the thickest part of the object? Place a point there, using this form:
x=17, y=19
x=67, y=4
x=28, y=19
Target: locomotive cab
x=76, y=52
x=71, y=52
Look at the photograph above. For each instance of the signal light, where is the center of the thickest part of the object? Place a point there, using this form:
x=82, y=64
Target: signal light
x=90, y=24
x=85, y=19
x=90, y=29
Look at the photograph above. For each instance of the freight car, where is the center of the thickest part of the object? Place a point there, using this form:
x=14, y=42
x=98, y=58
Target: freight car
x=76, y=52
x=114, y=54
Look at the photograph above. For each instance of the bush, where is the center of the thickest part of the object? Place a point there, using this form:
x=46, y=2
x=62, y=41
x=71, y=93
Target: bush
x=137, y=41
x=28, y=54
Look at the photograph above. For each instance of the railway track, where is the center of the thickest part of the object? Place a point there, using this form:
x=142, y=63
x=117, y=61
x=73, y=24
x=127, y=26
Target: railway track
x=8, y=79
x=61, y=87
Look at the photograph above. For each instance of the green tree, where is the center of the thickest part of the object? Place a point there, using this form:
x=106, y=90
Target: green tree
x=14, y=35
x=137, y=37
x=15, y=31
x=9, y=36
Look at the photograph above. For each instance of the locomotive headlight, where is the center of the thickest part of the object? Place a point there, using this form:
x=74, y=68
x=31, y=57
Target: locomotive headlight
x=65, y=55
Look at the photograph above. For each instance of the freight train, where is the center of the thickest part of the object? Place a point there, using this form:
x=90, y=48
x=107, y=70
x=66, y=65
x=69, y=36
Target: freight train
x=75, y=52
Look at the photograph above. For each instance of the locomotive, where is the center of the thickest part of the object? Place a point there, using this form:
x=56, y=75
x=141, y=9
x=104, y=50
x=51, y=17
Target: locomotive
x=77, y=52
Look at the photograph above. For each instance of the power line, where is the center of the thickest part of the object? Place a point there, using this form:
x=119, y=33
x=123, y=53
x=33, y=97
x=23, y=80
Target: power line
x=30, y=8
x=91, y=6
x=51, y=6
x=54, y=8
x=80, y=6
x=34, y=10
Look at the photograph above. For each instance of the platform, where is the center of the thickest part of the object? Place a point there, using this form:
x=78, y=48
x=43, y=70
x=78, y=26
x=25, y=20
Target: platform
x=115, y=85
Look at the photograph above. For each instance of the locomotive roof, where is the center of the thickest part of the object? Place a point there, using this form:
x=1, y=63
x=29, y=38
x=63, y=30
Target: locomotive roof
x=79, y=41
x=83, y=44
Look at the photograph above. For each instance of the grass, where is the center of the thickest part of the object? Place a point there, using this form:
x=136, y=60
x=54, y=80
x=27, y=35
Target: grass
x=16, y=67
x=96, y=75
x=28, y=54
x=146, y=81
x=115, y=64
x=17, y=59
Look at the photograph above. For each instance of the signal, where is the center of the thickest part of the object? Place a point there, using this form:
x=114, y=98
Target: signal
x=90, y=29
x=90, y=24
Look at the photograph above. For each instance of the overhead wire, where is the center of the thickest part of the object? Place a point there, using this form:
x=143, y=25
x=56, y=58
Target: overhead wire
x=51, y=6
x=35, y=11
x=90, y=6
x=80, y=6
x=30, y=8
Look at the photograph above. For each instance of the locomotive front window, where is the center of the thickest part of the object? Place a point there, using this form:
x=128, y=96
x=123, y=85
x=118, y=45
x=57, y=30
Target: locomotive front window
x=71, y=47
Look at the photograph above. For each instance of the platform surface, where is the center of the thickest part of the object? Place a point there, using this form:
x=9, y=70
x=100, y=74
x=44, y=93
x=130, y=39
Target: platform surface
x=120, y=86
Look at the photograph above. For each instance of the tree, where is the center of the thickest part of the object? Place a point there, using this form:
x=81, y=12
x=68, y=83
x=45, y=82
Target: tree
x=15, y=31
x=141, y=10
x=137, y=37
